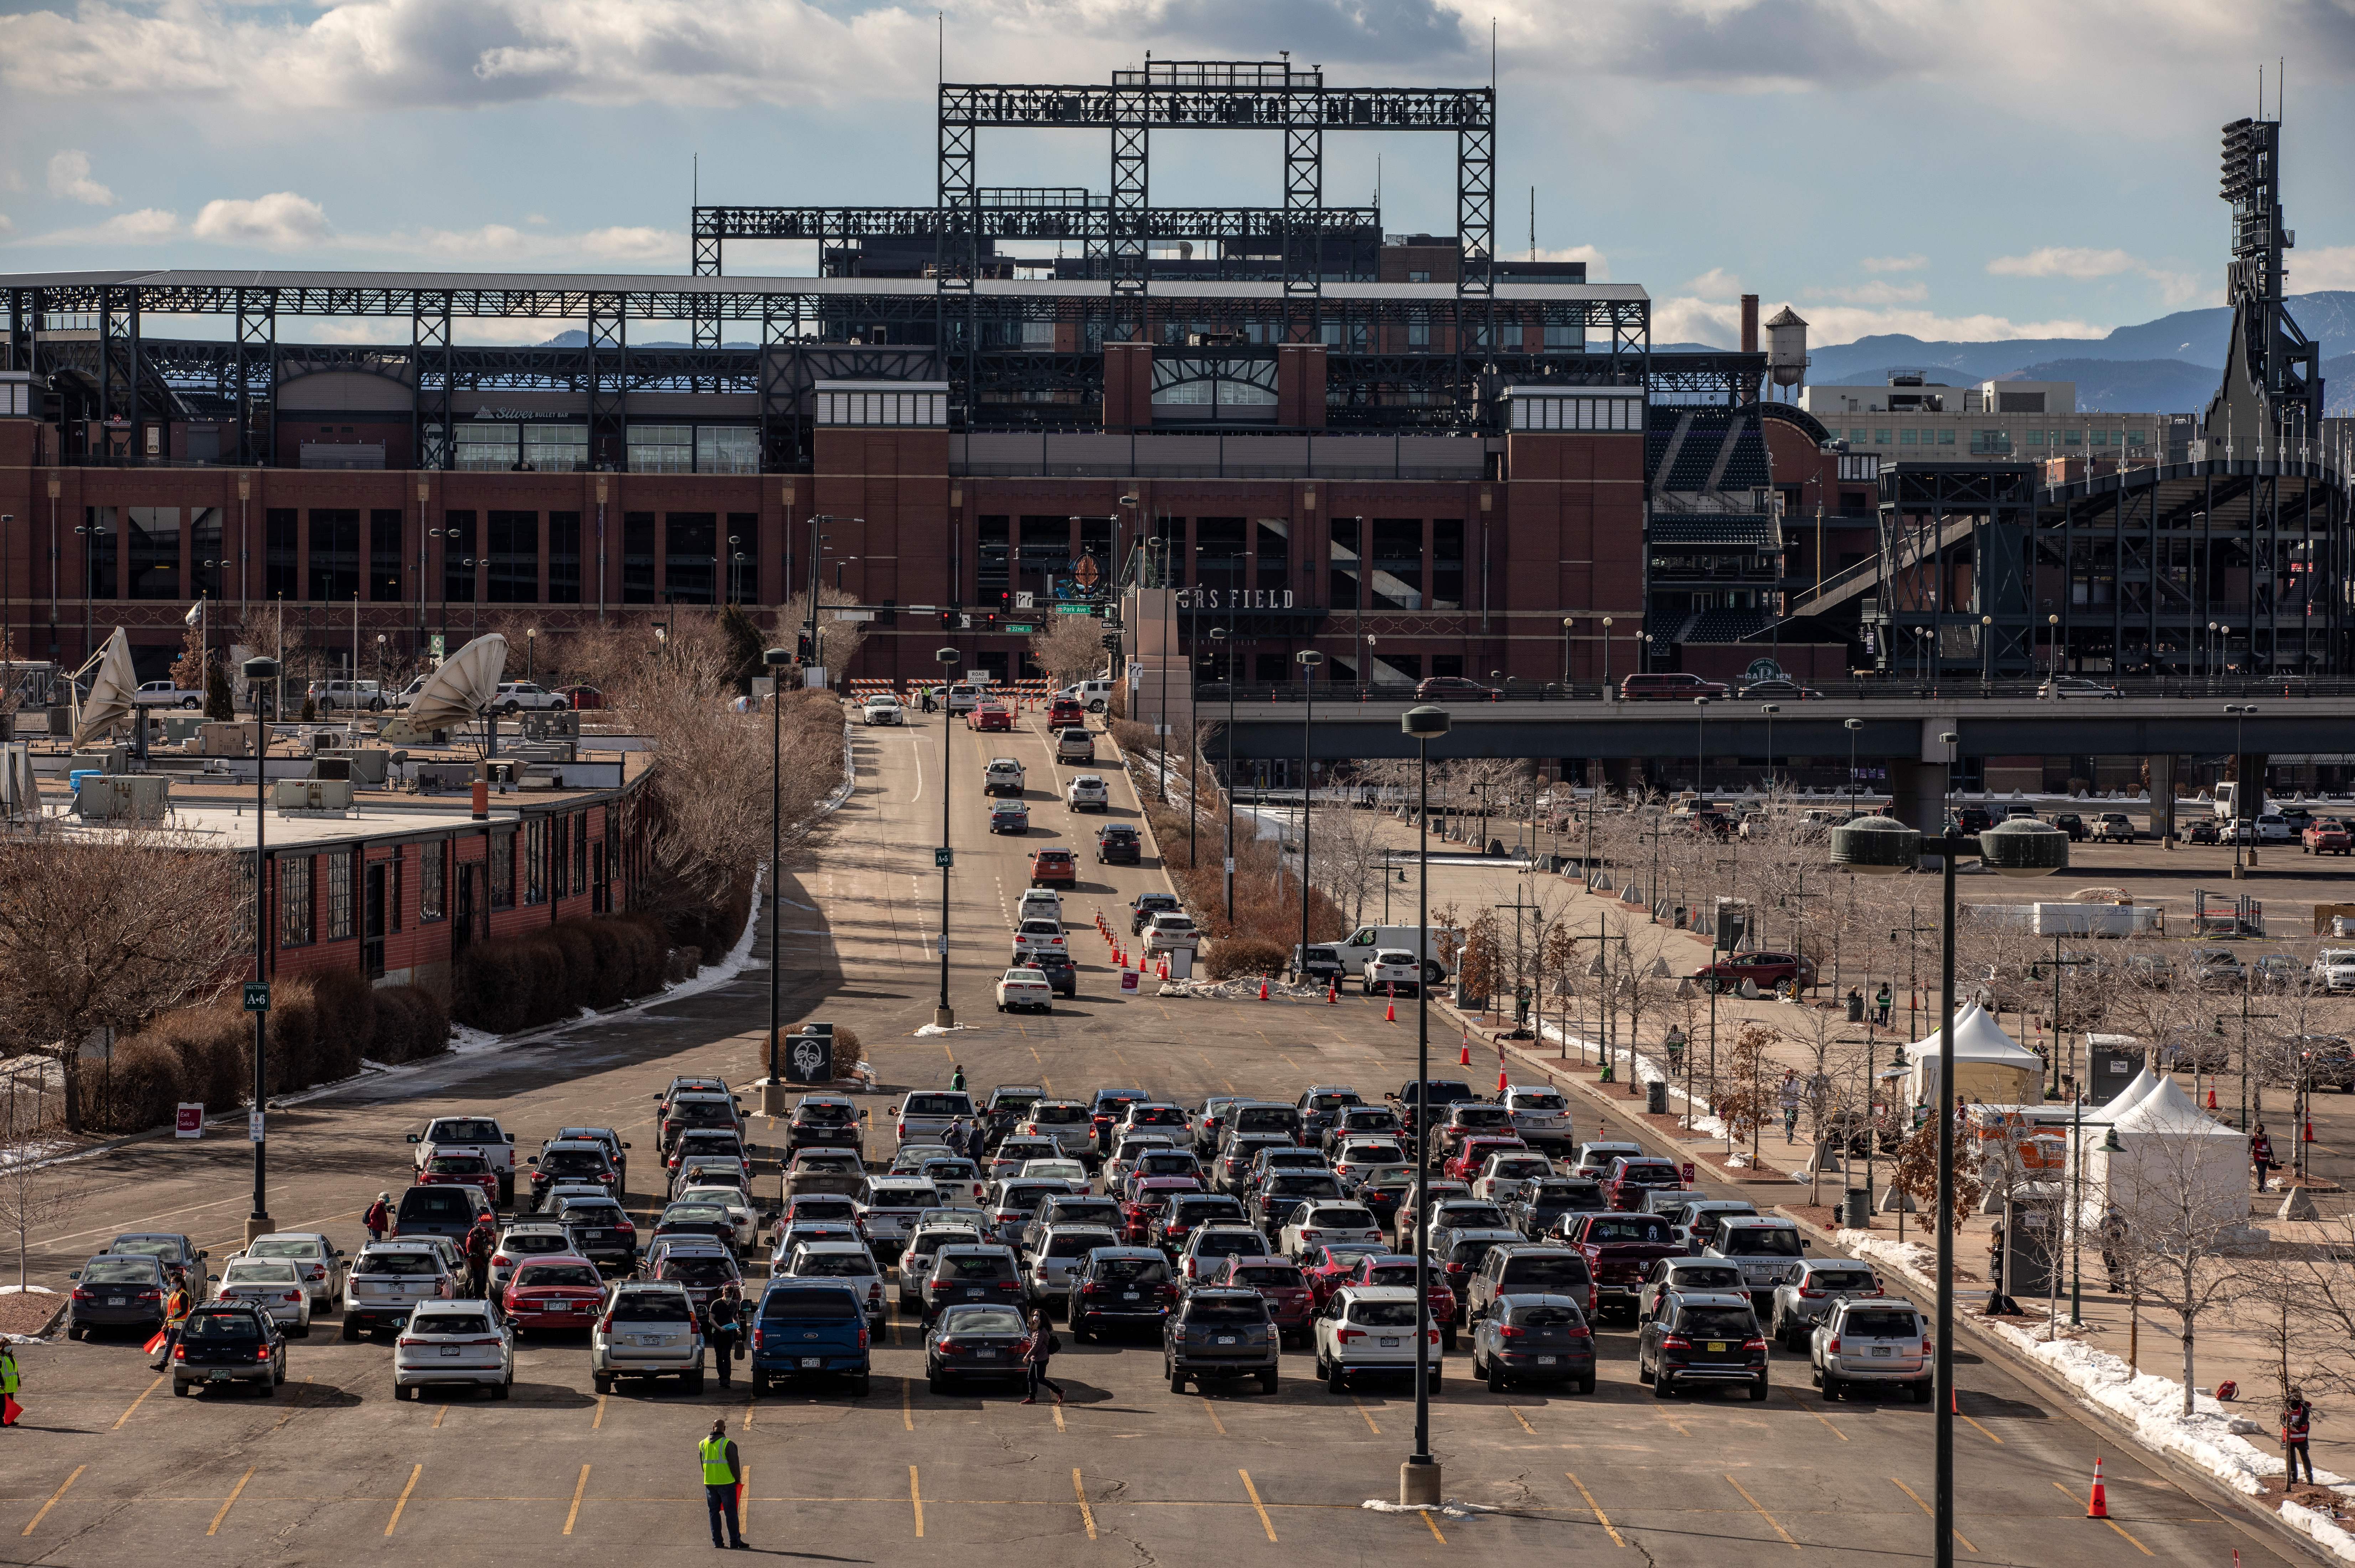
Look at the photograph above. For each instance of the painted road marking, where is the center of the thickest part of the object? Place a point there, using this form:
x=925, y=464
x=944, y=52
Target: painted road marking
x=2065, y=1492
x=599, y=1421
x=437, y=1418
x=1524, y=1421
x=579, y=1486
x=393, y=1523
x=1600, y=1517
x=1769, y=1518
x=1213, y=1412
x=1982, y=1431
x=32, y=1523
x=1433, y=1523
x=1910, y=1492
x=1366, y=1413
x=1087, y=1515
x=234, y=1492
x=137, y=1402
x=1820, y=1416
x=1264, y=1522
x=916, y=1496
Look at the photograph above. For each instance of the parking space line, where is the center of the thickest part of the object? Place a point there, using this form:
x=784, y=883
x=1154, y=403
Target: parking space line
x=597, y=1422
x=1672, y=1421
x=743, y=1493
x=916, y=1496
x=1820, y=1416
x=907, y=1410
x=1982, y=1431
x=1087, y=1514
x=1523, y=1420
x=573, y=1513
x=1264, y=1522
x=393, y=1523
x=1910, y=1492
x=1213, y=1412
x=1769, y=1518
x=1600, y=1517
x=2065, y=1492
x=1057, y=1411
x=31, y=1523
x=1366, y=1413
x=231, y=1501
x=437, y=1418
x=137, y=1402
x=1433, y=1524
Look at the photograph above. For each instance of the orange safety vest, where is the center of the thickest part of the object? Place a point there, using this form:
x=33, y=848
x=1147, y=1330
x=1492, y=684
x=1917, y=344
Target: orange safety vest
x=2296, y=1421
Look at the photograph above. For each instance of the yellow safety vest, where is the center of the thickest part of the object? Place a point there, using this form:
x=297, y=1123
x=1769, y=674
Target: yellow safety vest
x=716, y=1470
x=8, y=1380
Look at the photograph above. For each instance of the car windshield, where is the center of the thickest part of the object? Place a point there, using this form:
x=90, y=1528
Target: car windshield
x=1546, y=1316
x=1631, y=1228
x=397, y=1263
x=1231, y=1244
x=823, y=1304
x=1346, y=1217
x=1557, y=1275
x=700, y=1270
x=1079, y=1243
x=591, y=1214
x=577, y=1275
x=221, y=1326
x=1225, y=1312
x=971, y=1266
x=118, y=1271
x=1469, y=1253
x=158, y=1247
x=652, y=1307
x=822, y=1113
x=1839, y=1279
x=1759, y=1241
x=1719, y=1322
x=938, y=1105
x=1383, y=1314
x=572, y=1162
x=1303, y=1186
x=981, y=1320
x=535, y=1241
x=1057, y=1116
x=1482, y=1115
x=1885, y=1324
x=425, y=1204
x=259, y=1274
x=1171, y=1163
x=464, y=1130
x=449, y=1323
x=1133, y=1270
x=1707, y=1278
x=1486, y=1216
x=833, y=1265
x=948, y=1171
x=1271, y=1277
x=1538, y=1102
x=1331, y=1102
x=303, y=1249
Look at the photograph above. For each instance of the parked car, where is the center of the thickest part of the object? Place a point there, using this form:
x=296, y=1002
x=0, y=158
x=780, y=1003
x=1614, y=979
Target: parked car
x=461, y=1343
x=1862, y=1342
x=1668, y=686
x=1221, y=1331
x=1806, y=1297
x=1771, y=972
x=649, y=1330
x=1533, y=1338
x=1766, y=1250
x=1392, y=971
x=117, y=1290
x=318, y=1260
x=1683, y=1275
x=1118, y=1285
x=971, y=1340
x=2328, y=835
x=1702, y=1338
x=224, y=1344
x=2114, y=826
x=1369, y=1328
x=165, y=695
x=2073, y=824
x=563, y=1291
x=2272, y=827
x=1321, y=965
x=808, y=1327
x=2203, y=831
x=515, y=697
x=582, y=699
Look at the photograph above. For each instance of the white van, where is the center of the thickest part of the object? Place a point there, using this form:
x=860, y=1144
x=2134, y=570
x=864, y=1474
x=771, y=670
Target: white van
x=2224, y=793
x=1090, y=694
x=1358, y=950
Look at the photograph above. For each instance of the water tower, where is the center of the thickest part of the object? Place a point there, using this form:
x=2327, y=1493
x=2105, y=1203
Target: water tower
x=1786, y=349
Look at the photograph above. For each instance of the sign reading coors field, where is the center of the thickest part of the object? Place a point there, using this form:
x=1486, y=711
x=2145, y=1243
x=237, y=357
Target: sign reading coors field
x=1234, y=599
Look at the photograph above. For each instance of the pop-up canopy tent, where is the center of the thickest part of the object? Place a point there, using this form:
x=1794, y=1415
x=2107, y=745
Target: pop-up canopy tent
x=2167, y=1166
x=2133, y=1095
x=1989, y=1064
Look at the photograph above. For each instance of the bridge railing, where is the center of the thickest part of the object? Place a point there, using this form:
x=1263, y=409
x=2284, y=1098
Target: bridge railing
x=1948, y=687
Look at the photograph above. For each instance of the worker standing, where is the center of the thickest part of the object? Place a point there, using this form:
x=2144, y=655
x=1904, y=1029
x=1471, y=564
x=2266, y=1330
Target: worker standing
x=723, y=1480
x=956, y=1078
x=11, y=1381
x=2297, y=1423
x=2261, y=1155
x=478, y=1258
x=725, y=1329
x=378, y=1217
x=176, y=1313
x=1788, y=1098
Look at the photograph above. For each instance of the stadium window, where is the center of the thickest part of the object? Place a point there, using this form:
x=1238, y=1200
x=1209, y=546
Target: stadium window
x=1909, y=437
x=1881, y=437
x=1946, y=438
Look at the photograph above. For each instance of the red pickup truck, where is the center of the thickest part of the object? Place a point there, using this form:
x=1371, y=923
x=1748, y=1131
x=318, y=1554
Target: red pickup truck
x=1621, y=1249
x=2327, y=835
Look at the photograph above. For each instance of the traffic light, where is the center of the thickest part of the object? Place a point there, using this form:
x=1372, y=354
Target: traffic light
x=805, y=646
x=948, y=621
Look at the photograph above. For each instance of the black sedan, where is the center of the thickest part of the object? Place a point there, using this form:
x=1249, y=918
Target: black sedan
x=967, y=1341
x=117, y=1290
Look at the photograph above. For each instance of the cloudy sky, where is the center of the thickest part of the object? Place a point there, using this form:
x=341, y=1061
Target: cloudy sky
x=1950, y=168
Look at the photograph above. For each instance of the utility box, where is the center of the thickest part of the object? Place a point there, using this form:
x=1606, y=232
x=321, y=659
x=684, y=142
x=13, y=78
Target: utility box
x=2112, y=1062
x=121, y=797
x=311, y=797
x=109, y=759
x=225, y=739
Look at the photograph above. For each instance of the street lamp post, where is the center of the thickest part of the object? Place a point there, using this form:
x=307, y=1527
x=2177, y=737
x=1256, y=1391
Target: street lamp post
x=1770, y=709
x=773, y=1089
x=258, y=1224
x=91, y=532
x=1882, y=846
x=942, y=1015
x=1987, y=649
x=1308, y=659
x=531, y=655
x=1701, y=748
x=1219, y=635
x=1606, y=657
x=2243, y=814
x=1851, y=726
x=1418, y=1476
x=1567, y=622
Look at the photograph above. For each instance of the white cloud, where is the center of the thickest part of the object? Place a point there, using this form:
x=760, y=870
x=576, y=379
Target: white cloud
x=279, y=221
x=1877, y=292
x=148, y=225
x=6, y=226
x=2328, y=267
x=1598, y=270
x=1684, y=319
x=10, y=180
x=2085, y=265
x=69, y=178
x=634, y=244
x=1717, y=283
x=1913, y=263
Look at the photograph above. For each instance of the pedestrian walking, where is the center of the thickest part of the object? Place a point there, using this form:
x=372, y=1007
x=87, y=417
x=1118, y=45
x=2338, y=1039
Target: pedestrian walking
x=955, y=1137
x=11, y=1379
x=2261, y=1155
x=2297, y=1422
x=956, y=1078
x=1882, y=1002
x=176, y=1313
x=724, y=1326
x=1041, y=1345
x=1789, y=1098
x=478, y=1258
x=723, y=1485
x=2113, y=1233
x=378, y=1217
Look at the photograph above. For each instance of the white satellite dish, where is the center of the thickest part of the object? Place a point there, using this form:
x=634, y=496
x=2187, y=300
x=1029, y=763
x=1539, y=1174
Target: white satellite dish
x=112, y=690
x=462, y=687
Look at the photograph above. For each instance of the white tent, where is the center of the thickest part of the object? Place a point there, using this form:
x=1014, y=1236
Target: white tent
x=1989, y=1064
x=2134, y=1093
x=2169, y=1168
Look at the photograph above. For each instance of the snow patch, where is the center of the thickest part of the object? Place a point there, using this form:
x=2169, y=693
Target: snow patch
x=1452, y=1509
x=26, y=1290
x=2324, y=1530
x=930, y=1030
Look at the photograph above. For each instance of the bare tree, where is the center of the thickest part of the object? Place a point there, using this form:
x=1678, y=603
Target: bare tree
x=1351, y=857
x=33, y=1194
x=838, y=641
x=104, y=931
x=2299, y=1300
x=2184, y=1207
x=1068, y=647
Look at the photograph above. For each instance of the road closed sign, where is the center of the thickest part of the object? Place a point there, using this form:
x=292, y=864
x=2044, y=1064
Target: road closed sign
x=189, y=1121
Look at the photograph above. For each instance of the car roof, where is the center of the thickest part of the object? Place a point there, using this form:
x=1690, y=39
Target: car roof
x=1538, y=1298
x=836, y=1248
x=1759, y=1222
x=1379, y=1292
x=1152, y=1252
x=1815, y=1263
x=813, y=1282
x=1496, y=1232
x=974, y=1249
x=1713, y=1298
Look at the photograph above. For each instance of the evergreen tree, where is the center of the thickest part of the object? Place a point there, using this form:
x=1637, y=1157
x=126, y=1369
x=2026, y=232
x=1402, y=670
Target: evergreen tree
x=218, y=704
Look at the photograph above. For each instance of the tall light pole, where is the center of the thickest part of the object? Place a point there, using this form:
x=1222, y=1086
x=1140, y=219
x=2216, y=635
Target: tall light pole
x=1701, y=748
x=778, y=660
x=942, y=1015
x=531, y=655
x=7, y=637
x=1220, y=636
x=1418, y=1476
x=1567, y=622
x=2242, y=812
x=1882, y=846
x=258, y=1224
x=1308, y=659
x=1770, y=709
x=1606, y=657
x=1851, y=726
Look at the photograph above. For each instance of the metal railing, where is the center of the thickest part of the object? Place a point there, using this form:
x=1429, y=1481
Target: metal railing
x=1962, y=688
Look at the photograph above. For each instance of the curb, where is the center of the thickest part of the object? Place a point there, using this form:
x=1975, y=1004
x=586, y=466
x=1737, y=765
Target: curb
x=41, y=1334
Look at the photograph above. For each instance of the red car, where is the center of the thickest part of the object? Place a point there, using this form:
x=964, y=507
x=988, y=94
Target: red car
x=1330, y=1267
x=555, y=1291
x=990, y=716
x=1053, y=865
x=1141, y=1211
x=461, y=1171
x=1394, y=1268
x=583, y=698
x=1624, y=1185
x=2328, y=835
x=1064, y=711
x=1769, y=971
x=1285, y=1288
x=1472, y=1153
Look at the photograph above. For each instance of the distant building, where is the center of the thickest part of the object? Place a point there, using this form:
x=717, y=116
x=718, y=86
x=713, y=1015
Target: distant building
x=2006, y=421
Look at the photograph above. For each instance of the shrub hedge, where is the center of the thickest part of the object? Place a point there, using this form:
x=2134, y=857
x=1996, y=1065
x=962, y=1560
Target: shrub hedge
x=508, y=983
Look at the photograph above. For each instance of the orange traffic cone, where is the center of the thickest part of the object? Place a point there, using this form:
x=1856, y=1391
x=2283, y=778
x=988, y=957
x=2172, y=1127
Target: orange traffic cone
x=2307, y=1136
x=1500, y=1078
x=1464, y=1054
x=2212, y=1096
x=1332, y=992
x=2099, y=1506
x=1390, y=1011
x=1263, y=988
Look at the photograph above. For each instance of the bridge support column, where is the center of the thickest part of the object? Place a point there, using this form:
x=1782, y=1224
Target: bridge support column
x=2248, y=802
x=2162, y=800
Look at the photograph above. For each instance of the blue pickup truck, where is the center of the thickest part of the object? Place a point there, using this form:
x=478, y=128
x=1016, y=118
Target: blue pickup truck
x=807, y=1328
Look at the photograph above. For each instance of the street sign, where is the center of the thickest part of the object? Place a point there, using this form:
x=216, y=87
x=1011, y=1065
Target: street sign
x=1025, y=601
x=809, y=1059
x=1684, y=1173
x=257, y=996
x=1231, y=866
x=1075, y=609
x=942, y=942
x=188, y=1119
x=253, y=1126
x=1019, y=627
x=433, y=645
x=944, y=858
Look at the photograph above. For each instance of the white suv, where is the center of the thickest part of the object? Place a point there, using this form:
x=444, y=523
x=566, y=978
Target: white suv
x=648, y=1330
x=1004, y=776
x=1369, y=1328
x=516, y=695
x=1038, y=935
x=1393, y=971
x=1088, y=793
x=1171, y=931
x=457, y=1343
x=326, y=696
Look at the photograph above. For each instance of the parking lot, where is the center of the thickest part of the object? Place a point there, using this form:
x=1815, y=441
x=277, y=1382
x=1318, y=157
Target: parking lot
x=110, y=1465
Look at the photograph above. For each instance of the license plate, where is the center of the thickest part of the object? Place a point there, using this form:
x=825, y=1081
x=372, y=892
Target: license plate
x=1545, y=1361
x=1717, y=1347
x=973, y=1295
x=218, y=1377
x=117, y=1301
x=985, y=1355
x=812, y=1362
x=448, y=1351
x=645, y=1338
x=1226, y=1339
x=1390, y=1344
x=1128, y=1296
x=1884, y=1350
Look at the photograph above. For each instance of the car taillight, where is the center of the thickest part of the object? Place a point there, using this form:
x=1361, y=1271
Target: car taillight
x=151, y=1296
x=1927, y=1347
x=81, y=1294
x=1813, y=1294
x=1509, y=1332
x=1675, y=1342
x=1753, y=1344
x=179, y=1352
x=1832, y=1349
x=262, y=1352
x=1350, y=1335
x=626, y=1228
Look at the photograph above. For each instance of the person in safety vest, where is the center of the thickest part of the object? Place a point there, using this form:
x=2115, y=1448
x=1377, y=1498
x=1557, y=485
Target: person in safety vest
x=175, y=1314
x=2297, y=1425
x=723, y=1484
x=11, y=1381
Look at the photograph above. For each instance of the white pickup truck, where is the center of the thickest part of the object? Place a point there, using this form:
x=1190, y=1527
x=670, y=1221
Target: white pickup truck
x=470, y=1134
x=1004, y=776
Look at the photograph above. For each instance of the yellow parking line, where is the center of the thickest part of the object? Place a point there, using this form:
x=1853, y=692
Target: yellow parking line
x=916, y=1496
x=1366, y=1413
x=1434, y=1525
x=1213, y=1412
x=437, y=1418
x=573, y=1513
x=1600, y=1517
x=392, y=1523
x=214, y=1528
x=1087, y=1514
x=599, y=1421
x=1264, y=1522
x=137, y=1402
x=743, y=1494
x=1819, y=1416
x=1524, y=1421
x=1983, y=1431
x=77, y=1469
x=1769, y=1518
x=1057, y=1410
x=2065, y=1492
x=1910, y=1492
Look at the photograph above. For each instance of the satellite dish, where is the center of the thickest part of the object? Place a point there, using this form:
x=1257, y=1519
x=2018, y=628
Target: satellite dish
x=462, y=687
x=112, y=690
